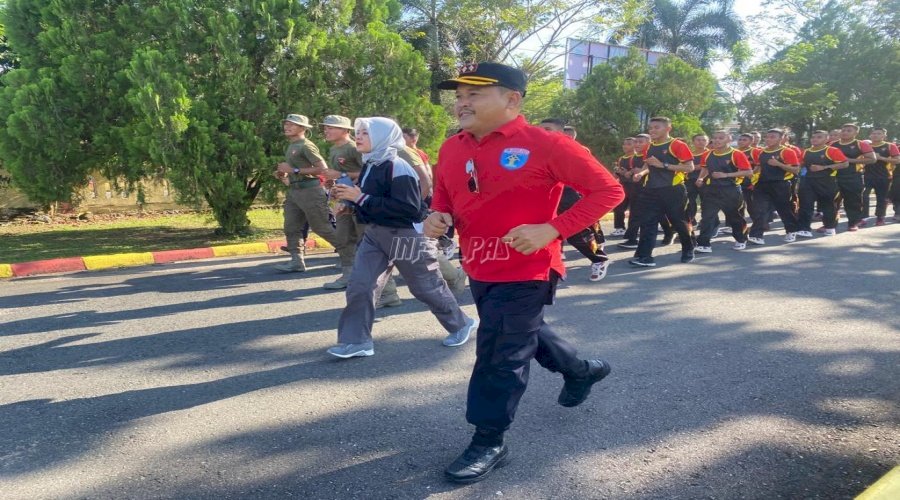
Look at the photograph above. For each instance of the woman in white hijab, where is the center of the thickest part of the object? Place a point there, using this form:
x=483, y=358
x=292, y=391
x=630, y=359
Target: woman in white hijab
x=388, y=199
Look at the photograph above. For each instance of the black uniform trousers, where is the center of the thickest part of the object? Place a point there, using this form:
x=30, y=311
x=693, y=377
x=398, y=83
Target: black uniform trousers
x=730, y=201
x=850, y=187
x=880, y=185
x=821, y=190
x=512, y=332
x=669, y=202
x=619, y=211
x=770, y=195
x=589, y=242
x=747, y=191
x=894, y=194
x=693, y=193
x=634, y=218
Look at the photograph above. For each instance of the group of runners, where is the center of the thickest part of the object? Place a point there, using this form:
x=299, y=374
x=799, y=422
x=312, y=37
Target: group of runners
x=513, y=193
x=667, y=182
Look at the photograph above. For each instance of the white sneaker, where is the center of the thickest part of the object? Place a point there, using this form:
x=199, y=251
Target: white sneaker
x=618, y=232
x=830, y=232
x=738, y=245
x=756, y=241
x=805, y=234
x=790, y=237
x=460, y=337
x=598, y=270
x=703, y=249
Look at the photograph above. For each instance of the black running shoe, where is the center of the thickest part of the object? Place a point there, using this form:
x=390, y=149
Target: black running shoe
x=642, y=262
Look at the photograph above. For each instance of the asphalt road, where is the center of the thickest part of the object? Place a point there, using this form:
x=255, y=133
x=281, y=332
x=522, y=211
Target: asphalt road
x=771, y=373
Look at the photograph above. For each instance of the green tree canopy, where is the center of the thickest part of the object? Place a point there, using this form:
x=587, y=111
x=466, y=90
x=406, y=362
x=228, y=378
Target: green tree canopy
x=617, y=99
x=690, y=29
x=839, y=70
x=194, y=90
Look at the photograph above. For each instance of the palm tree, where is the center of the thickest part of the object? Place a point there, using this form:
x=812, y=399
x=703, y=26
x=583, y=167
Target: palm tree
x=690, y=29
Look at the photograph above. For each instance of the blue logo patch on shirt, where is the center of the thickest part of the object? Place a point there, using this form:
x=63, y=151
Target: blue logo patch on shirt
x=514, y=158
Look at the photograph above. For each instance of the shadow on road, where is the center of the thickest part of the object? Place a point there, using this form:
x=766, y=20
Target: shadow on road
x=677, y=377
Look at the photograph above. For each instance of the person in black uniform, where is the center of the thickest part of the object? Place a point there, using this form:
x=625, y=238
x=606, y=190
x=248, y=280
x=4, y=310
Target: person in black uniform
x=818, y=168
x=589, y=241
x=666, y=163
x=777, y=165
x=641, y=143
x=722, y=170
x=698, y=146
x=623, y=170
x=850, y=180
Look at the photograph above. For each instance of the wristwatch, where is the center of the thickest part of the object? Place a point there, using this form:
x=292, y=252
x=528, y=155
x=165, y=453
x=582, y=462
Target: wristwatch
x=296, y=170
x=666, y=166
x=343, y=174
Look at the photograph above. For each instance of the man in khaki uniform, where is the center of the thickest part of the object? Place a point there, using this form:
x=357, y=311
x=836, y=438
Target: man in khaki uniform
x=344, y=163
x=305, y=200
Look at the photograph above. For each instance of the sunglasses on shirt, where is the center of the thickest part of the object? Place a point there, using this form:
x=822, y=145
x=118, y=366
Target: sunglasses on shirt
x=473, y=176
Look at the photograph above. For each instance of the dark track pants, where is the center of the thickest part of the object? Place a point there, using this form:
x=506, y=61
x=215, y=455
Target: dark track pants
x=894, y=194
x=728, y=200
x=380, y=250
x=668, y=202
x=619, y=211
x=693, y=193
x=769, y=195
x=589, y=242
x=634, y=218
x=511, y=333
x=850, y=188
x=821, y=190
x=880, y=185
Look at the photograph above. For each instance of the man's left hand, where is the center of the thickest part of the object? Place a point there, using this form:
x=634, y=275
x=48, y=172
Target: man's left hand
x=529, y=238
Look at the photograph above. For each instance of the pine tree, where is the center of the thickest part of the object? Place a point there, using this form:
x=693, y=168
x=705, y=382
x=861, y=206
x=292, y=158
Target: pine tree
x=194, y=90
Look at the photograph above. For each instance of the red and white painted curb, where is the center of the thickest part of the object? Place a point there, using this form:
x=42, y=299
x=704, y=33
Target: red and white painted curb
x=96, y=262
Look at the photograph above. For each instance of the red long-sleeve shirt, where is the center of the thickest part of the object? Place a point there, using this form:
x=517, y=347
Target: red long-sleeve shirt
x=520, y=171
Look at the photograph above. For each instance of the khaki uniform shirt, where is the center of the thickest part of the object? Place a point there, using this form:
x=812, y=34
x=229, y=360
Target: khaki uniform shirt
x=302, y=154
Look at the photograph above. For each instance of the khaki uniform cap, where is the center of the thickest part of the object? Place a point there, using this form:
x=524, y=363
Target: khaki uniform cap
x=337, y=121
x=298, y=120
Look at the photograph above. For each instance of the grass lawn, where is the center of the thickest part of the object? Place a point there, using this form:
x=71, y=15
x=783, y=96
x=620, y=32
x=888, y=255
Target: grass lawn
x=28, y=242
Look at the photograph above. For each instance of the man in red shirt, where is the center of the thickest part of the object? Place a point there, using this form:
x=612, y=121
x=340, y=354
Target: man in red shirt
x=499, y=183
x=666, y=163
x=878, y=174
x=850, y=179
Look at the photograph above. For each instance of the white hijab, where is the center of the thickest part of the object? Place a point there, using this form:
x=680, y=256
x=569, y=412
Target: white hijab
x=386, y=138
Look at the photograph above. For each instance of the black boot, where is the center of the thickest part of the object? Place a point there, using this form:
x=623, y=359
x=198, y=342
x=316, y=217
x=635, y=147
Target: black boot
x=485, y=453
x=576, y=390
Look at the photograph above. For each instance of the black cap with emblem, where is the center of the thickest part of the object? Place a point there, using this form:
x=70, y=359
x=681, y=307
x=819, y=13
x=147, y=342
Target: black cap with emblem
x=488, y=74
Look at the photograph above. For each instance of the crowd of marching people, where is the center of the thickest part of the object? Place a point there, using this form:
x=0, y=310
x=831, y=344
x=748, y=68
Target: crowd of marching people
x=669, y=184
x=666, y=181
x=512, y=193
